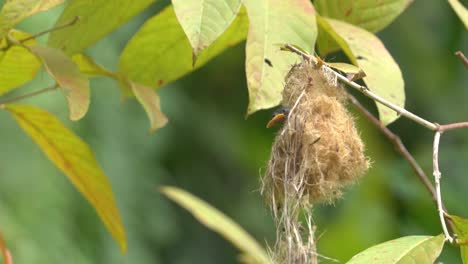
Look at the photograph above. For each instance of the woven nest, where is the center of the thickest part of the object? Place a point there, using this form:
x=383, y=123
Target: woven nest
x=318, y=151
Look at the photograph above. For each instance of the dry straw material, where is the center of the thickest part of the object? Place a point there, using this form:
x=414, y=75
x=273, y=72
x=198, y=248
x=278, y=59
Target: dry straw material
x=316, y=153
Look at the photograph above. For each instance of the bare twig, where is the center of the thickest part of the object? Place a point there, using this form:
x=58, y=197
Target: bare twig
x=401, y=148
x=31, y=94
x=69, y=23
x=462, y=57
x=437, y=175
x=447, y=127
x=400, y=110
x=65, y=25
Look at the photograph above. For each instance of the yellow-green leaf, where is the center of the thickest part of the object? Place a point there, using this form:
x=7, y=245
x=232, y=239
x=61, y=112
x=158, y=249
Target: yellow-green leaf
x=344, y=67
x=461, y=229
x=160, y=51
x=218, y=222
x=383, y=75
x=17, y=64
x=203, y=21
x=328, y=40
x=74, y=84
x=97, y=19
x=404, y=250
x=16, y=10
x=368, y=14
x=89, y=67
x=76, y=160
x=149, y=99
x=270, y=23
x=461, y=11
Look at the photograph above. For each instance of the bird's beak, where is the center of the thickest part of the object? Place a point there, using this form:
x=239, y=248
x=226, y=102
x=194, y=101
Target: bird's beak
x=276, y=119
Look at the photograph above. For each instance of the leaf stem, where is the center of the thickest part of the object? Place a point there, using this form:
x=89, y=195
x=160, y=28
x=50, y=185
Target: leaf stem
x=13, y=41
x=28, y=95
x=65, y=25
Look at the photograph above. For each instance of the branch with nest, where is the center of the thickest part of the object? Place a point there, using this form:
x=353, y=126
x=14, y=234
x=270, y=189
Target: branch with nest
x=438, y=129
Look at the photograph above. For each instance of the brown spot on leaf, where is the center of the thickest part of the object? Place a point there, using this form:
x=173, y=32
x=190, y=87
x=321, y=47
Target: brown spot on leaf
x=160, y=82
x=349, y=11
x=359, y=57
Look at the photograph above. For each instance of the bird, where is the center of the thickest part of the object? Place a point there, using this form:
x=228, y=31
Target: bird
x=278, y=116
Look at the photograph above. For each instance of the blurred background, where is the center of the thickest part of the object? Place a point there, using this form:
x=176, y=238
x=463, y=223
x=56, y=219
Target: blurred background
x=209, y=149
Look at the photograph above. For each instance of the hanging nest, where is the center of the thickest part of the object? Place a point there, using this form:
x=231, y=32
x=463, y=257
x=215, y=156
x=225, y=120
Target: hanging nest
x=315, y=155
x=318, y=151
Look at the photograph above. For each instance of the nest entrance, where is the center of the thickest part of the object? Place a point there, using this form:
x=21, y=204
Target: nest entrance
x=315, y=155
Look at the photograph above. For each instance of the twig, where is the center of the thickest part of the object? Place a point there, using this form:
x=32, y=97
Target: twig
x=400, y=110
x=437, y=175
x=67, y=24
x=31, y=94
x=462, y=57
x=447, y=127
x=401, y=148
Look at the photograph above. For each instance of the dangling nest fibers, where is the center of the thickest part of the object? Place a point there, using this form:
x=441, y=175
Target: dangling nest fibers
x=315, y=155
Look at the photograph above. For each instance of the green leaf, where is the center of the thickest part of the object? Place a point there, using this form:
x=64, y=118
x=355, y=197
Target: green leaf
x=74, y=84
x=368, y=14
x=7, y=259
x=160, y=52
x=89, y=67
x=383, y=73
x=270, y=23
x=461, y=11
x=404, y=250
x=203, y=21
x=328, y=40
x=461, y=229
x=218, y=222
x=17, y=64
x=97, y=19
x=76, y=160
x=344, y=67
x=149, y=99
x=14, y=11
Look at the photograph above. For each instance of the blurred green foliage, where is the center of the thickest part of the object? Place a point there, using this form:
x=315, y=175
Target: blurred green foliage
x=210, y=150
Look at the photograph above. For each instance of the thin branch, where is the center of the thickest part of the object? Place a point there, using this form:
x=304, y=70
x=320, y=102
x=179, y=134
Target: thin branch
x=400, y=148
x=18, y=42
x=65, y=25
x=462, y=57
x=400, y=110
x=31, y=94
x=452, y=126
x=437, y=176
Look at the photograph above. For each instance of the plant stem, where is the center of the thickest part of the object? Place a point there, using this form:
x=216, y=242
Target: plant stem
x=28, y=95
x=401, y=148
x=437, y=176
x=67, y=24
x=19, y=42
